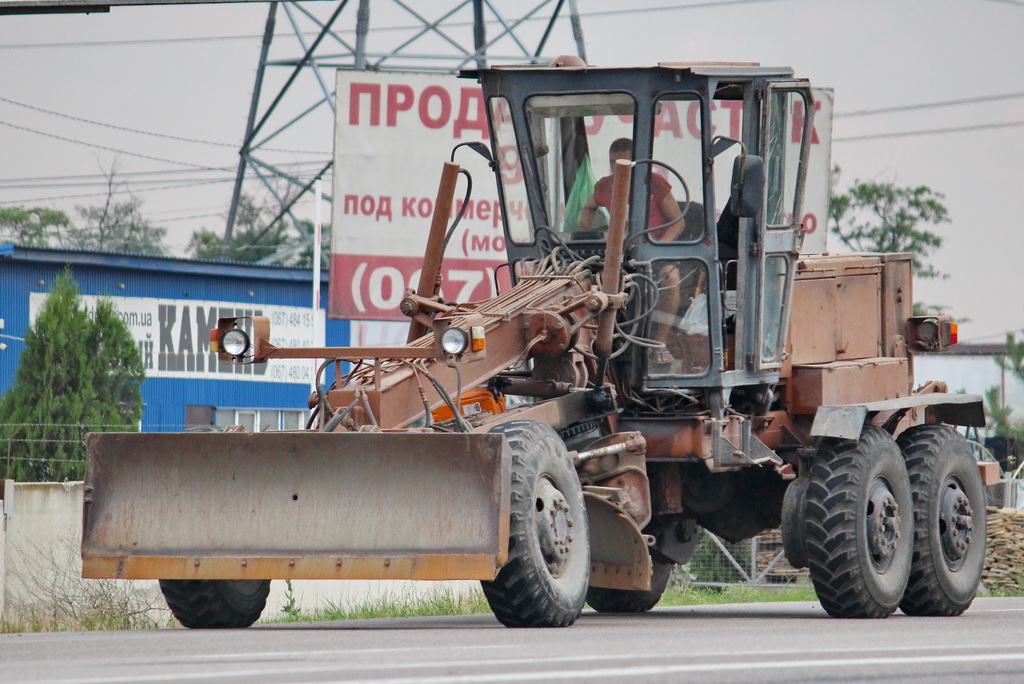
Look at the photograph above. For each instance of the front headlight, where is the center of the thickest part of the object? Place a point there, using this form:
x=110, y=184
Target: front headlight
x=235, y=342
x=454, y=341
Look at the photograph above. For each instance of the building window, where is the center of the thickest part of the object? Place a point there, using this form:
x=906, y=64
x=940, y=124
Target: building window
x=260, y=420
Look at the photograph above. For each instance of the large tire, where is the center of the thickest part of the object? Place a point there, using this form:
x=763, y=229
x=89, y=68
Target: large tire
x=544, y=581
x=631, y=601
x=949, y=521
x=794, y=503
x=859, y=525
x=212, y=604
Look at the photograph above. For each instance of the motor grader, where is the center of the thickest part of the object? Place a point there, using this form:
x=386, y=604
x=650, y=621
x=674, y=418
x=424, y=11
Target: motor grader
x=663, y=359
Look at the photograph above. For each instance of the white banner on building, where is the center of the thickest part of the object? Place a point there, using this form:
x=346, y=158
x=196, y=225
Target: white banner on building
x=174, y=336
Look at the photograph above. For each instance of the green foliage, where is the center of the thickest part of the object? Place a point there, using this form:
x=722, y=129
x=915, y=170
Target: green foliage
x=1000, y=422
x=32, y=226
x=253, y=238
x=1013, y=361
x=116, y=226
x=80, y=372
x=441, y=601
x=710, y=564
x=998, y=415
x=703, y=596
x=884, y=217
x=291, y=605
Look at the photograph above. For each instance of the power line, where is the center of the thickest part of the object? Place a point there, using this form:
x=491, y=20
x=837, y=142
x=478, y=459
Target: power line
x=379, y=29
x=929, y=105
x=130, y=174
x=142, y=132
x=116, y=191
x=219, y=214
x=931, y=131
x=1018, y=3
x=121, y=191
x=104, y=147
x=103, y=180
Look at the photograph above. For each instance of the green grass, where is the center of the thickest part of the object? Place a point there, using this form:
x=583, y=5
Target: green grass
x=82, y=619
x=438, y=602
x=445, y=602
x=704, y=596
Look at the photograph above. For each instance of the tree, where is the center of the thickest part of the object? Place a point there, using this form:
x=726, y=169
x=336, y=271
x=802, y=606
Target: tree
x=116, y=226
x=999, y=415
x=80, y=372
x=33, y=226
x=253, y=238
x=884, y=217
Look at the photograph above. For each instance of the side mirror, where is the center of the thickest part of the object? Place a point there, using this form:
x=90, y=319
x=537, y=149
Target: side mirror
x=478, y=147
x=747, y=186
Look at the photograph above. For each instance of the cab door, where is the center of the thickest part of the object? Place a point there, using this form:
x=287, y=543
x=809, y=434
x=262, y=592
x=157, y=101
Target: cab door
x=786, y=128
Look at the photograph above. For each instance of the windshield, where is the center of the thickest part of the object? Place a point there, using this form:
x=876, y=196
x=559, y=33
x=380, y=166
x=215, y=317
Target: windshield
x=571, y=136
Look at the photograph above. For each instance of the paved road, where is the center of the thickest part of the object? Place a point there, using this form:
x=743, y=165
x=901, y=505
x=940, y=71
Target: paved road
x=735, y=643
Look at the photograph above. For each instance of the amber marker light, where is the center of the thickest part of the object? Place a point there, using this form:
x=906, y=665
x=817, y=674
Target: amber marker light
x=476, y=334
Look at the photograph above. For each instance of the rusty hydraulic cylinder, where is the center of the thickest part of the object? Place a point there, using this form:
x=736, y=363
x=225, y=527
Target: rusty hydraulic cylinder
x=430, y=276
x=611, y=276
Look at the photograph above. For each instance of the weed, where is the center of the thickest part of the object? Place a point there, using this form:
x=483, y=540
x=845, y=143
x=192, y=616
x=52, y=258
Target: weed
x=291, y=606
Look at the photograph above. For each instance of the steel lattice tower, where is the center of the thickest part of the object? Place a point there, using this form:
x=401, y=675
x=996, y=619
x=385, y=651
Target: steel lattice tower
x=457, y=36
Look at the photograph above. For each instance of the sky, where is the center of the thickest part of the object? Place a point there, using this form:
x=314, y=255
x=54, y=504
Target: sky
x=160, y=94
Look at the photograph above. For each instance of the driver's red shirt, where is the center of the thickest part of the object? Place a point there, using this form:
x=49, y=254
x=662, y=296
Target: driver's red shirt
x=655, y=216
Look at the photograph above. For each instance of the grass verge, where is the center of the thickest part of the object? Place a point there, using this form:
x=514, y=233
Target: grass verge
x=438, y=602
x=445, y=602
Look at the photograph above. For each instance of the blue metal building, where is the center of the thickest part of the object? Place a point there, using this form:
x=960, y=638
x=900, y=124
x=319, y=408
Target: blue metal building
x=170, y=304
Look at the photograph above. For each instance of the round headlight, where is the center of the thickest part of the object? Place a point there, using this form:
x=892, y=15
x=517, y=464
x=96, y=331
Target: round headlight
x=454, y=341
x=235, y=342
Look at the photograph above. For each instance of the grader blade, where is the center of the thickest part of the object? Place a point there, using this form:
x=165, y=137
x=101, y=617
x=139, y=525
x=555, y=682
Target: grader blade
x=296, y=505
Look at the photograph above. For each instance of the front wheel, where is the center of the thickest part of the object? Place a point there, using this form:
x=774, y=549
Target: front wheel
x=544, y=581
x=211, y=604
x=949, y=521
x=858, y=525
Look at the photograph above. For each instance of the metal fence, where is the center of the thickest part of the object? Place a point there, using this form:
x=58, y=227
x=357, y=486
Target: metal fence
x=759, y=561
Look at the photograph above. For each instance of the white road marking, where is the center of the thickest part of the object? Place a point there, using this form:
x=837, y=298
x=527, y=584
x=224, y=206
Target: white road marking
x=580, y=672
x=348, y=651
x=653, y=670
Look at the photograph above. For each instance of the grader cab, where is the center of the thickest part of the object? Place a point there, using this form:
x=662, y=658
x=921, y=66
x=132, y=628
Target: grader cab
x=676, y=362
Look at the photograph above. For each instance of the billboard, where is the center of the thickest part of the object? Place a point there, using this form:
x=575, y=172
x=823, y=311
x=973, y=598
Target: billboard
x=393, y=133
x=394, y=130
x=173, y=336
x=819, y=175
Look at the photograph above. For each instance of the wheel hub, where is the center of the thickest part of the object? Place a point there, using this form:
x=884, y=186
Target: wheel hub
x=883, y=525
x=956, y=523
x=554, y=526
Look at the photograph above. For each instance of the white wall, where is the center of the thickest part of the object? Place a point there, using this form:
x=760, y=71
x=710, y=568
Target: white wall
x=40, y=542
x=971, y=374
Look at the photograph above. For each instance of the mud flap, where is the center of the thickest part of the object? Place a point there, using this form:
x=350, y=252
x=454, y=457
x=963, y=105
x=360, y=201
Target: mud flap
x=309, y=505
x=619, y=558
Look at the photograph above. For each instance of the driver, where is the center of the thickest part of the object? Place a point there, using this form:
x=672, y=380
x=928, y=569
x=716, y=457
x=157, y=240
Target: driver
x=663, y=209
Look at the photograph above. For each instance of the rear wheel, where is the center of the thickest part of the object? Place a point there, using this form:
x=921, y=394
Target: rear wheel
x=859, y=525
x=544, y=581
x=209, y=604
x=794, y=504
x=631, y=601
x=949, y=521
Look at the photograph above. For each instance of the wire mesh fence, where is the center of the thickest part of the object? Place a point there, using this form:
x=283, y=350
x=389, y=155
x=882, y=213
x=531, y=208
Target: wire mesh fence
x=759, y=561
